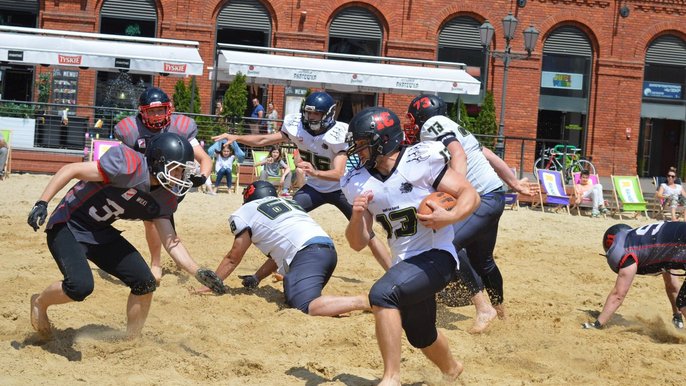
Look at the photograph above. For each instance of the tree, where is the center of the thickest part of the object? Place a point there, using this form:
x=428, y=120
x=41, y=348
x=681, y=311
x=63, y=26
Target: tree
x=485, y=121
x=182, y=97
x=236, y=100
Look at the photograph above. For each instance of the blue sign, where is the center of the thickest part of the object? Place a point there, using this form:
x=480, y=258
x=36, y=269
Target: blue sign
x=661, y=90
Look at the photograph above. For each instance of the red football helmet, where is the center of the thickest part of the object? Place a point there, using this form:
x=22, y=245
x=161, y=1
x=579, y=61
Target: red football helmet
x=155, y=109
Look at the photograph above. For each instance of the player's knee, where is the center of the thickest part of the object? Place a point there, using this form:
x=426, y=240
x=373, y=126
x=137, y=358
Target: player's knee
x=78, y=290
x=384, y=295
x=143, y=287
x=421, y=337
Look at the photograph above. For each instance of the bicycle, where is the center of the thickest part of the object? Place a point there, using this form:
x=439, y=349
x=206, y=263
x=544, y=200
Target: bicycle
x=566, y=159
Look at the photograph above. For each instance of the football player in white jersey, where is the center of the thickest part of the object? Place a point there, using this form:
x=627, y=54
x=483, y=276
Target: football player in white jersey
x=296, y=246
x=478, y=233
x=322, y=157
x=387, y=184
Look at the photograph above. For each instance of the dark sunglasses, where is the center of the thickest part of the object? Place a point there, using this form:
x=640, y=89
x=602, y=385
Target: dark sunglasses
x=671, y=176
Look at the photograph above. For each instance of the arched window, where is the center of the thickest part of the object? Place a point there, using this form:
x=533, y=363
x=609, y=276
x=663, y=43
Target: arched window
x=663, y=108
x=244, y=22
x=127, y=18
x=355, y=31
x=565, y=85
x=459, y=42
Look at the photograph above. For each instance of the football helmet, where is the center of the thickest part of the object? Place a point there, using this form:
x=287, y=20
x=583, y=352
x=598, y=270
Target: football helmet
x=320, y=102
x=380, y=128
x=258, y=189
x=170, y=160
x=609, y=236
x=422, y=107
x=150, y=105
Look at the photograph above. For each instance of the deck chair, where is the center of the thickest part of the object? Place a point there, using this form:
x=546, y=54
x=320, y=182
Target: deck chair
x=552, y=184
x=7, y=136
x=628, y=195
x=235, y=168
x=100, y=147
x=657, y=206
x=585, y=202
x=258, y=156
x=512, y=197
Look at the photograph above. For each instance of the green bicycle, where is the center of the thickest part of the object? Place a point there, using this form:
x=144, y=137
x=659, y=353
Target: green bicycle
x=563, y=158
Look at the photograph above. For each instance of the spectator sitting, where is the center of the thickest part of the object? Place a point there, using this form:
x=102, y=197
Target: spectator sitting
x=216, y=149
x=672, y=193
x=586, y=189
x=274, y=166
x=223, y=166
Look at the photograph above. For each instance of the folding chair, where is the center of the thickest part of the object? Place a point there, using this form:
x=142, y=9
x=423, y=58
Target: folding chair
x=585, y=202
x=100, y=147
x=657, y=205
x=7, y=136
x=628, y=195
x=552, y=184
x=258, y=156
x=512, y=197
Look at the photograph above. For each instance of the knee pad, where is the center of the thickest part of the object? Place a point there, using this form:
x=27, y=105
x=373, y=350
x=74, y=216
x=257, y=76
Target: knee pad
x=79, y=290
x=384, y=295
x=421, y=337
x=143, y=287
x=681, y=298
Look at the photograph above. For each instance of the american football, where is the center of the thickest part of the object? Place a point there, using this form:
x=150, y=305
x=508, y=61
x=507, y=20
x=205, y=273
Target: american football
x=442, y=199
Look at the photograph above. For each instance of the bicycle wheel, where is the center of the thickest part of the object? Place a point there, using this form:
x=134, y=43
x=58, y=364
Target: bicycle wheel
x=582, y=164
x=544, y=163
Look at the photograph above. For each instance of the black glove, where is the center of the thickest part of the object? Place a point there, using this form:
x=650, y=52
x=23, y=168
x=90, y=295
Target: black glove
x=210, y=280
x=249, y=281
x=38, y=214
x=198, y=180
x=595, y=325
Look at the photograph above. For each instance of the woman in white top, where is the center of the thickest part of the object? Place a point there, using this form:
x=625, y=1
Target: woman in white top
x=672, y=194
x=272, y=116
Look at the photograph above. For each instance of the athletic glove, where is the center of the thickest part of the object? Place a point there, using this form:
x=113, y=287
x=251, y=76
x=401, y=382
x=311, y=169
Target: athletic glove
x=595, y=325
x=197, y=180
x=210, y=280
x=38, y=215
x=250, y=281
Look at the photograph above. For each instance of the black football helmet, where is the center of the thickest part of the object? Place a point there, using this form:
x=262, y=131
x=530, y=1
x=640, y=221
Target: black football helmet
x=609, y=236
x=422, y=107
x=381, y=128
x=320, y=102
x=258, y=189
x=154, y=98
x=167, y=154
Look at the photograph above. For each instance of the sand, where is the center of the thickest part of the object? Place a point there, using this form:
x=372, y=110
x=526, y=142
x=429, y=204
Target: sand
x=554, y=281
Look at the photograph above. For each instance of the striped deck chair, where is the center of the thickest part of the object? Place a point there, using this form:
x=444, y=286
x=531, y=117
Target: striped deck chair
x=7, y=136
x=585, y=202
x=100, y=147
x=552, y=184
x=628, y=195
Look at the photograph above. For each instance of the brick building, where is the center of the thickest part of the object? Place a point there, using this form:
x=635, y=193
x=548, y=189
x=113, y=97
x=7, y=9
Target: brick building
x=608, y=76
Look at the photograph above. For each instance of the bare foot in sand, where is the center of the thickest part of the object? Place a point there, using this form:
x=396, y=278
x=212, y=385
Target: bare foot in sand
x=500, y=308
x=483, y=320
x=453, y=375
x=39, y=318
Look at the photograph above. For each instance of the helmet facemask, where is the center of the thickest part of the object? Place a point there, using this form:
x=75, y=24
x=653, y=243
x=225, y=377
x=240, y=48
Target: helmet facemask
x=371, y=143
x=175, y=176
x=319, y=124
x=153, y=118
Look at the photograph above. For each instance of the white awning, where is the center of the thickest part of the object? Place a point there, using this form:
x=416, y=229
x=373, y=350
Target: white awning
x=344, y=75
x=109, y=52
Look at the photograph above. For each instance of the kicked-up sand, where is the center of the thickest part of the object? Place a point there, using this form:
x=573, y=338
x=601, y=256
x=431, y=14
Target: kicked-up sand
x=555, y=280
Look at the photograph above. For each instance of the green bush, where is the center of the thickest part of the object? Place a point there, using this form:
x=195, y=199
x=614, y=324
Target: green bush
x=44, y=87
x=182, y=97
x=236, y=100
x=16, y=110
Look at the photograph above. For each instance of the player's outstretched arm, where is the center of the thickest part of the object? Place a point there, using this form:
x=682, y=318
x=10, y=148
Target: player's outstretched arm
x=358, y=231
x=173, y=245
x=255, y=140
x=235, y=255
x=622, y=285
x=505, y=173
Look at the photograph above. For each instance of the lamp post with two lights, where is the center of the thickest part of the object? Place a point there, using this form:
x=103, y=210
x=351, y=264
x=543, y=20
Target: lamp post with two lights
x=486, y=32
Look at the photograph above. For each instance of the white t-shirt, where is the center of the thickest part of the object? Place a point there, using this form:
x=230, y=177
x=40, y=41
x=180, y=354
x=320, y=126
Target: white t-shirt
x=279, y=227
x=480, y=173
x=318, y=150
x=396, y=199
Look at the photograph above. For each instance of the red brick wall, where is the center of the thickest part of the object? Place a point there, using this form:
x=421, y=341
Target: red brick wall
x=411, y=30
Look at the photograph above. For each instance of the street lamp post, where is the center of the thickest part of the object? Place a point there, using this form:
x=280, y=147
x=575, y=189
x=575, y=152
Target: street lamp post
x=486, y=32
